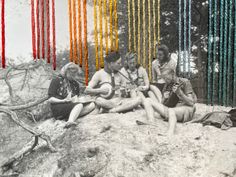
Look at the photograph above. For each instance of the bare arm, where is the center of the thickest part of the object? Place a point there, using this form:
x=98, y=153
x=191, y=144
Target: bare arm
x=146, y=79
x=186, y=94
x=96, y=91
x=156, y=70
x=56, y=100
x=90, y=89
x=154, y=74
x=188, y=99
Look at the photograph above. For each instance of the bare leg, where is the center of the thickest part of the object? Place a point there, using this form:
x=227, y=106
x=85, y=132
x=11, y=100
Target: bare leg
x=74, y=115
x=152, y=96
x=160, y=108
x=172, y=122
x=157, y=92
x=95, y=111
x=127, y=104
x=107, y=104
x=147, y=106
x=157, y=115
x=167, y=113
x=87, y=109
x=174, y=114
x=133, y=94
x=181, y=114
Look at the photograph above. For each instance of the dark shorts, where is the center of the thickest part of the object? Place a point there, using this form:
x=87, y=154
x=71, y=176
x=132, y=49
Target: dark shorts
x=61, y=111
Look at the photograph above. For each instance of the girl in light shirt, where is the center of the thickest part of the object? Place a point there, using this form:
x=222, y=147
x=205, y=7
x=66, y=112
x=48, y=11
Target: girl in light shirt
x=161, y=63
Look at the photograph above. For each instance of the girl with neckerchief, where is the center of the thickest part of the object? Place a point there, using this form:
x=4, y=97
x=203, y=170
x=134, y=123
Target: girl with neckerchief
x=63, y=92
x=136, y=83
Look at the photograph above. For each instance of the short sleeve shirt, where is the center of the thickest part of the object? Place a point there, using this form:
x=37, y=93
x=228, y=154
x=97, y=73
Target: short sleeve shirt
x=136, y=76
x=169, y=65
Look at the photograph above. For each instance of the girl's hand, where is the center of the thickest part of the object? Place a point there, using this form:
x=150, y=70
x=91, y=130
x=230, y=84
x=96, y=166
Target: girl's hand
x=104, y=91
x=177, y=90
x=142, y=88
x=68, y=98
x=74, y=99
x=166, y=95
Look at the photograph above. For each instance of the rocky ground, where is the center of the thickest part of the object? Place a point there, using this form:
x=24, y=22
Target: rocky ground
x=109, y=145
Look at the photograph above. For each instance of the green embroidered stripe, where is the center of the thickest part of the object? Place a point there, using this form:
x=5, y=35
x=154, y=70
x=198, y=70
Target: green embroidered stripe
x=225, y=51
x=221, y=51
x=214, y=51
x=209, y=54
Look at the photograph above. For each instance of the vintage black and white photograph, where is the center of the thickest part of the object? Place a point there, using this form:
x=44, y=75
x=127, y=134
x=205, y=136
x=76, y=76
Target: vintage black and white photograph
x=117, y=88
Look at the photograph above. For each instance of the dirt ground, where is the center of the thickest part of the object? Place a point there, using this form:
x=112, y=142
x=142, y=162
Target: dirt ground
x=110, y=145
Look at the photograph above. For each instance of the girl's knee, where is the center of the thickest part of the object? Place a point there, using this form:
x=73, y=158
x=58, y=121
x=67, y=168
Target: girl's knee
x=99, y=101
x=91, y=105
x=149, y=100
x=150, y=93
x=138, y=99
x=78, y=106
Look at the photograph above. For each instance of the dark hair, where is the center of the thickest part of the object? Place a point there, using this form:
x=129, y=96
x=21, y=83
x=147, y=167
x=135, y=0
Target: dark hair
x=112, y=57
x=165, y=50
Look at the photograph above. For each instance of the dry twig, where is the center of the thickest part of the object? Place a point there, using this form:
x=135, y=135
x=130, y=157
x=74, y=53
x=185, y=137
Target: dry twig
x=28, y=148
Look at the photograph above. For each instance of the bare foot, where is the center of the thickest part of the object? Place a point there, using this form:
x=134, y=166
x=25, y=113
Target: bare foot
x=70, y=124
x=170, y=134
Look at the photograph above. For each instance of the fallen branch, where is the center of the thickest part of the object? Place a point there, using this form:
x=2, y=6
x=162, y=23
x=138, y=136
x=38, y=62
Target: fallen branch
x=28, y=128
x=9, y=110
x=9, y=84
x=9, y=163
x=24, y=80
x=32, y=116
x=25, y=106
x=36, y=133
x=25, y=68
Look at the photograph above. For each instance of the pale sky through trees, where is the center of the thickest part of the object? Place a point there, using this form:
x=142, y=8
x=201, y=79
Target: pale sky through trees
x=18, y=27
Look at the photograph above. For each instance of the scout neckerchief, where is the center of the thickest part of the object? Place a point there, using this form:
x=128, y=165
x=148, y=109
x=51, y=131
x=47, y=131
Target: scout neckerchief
x=131, y=79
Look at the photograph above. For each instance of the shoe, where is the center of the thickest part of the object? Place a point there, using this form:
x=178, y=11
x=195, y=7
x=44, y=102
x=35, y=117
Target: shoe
x=70, y=124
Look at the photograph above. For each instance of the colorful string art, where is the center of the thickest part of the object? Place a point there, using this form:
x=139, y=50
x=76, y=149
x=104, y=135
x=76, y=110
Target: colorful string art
x=221, y=65
x=184, y=30
x=80, y=34
x=145, y=33
x=38, y=21
x=85, y=42
x=3, y=33
x=108, y=39
x=78, y=41
x=53, y=36
x=33, y=29
x=96, y=34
